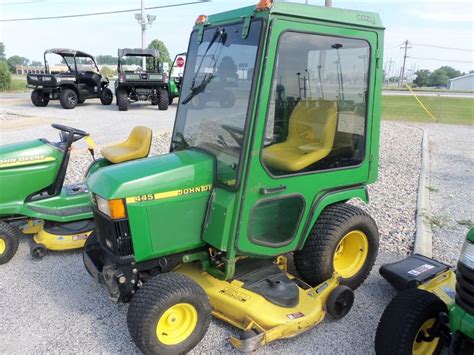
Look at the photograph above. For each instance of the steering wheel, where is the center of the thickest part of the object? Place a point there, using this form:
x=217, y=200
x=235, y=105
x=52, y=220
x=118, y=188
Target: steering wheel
x=235, y=132
x=66, y=131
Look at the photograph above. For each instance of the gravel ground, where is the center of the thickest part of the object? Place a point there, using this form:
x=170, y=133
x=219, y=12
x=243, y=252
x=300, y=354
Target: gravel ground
x=451, y=188
x=56, y=307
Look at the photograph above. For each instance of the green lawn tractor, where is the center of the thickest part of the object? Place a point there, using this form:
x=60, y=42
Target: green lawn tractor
x=176, y=76
x=434, y=309
x=33, y=199
x=206, y=228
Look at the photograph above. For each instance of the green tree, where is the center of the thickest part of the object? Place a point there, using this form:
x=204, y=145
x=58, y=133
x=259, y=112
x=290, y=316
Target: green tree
x=5, y=75
x=422, y=78
x=15, y=60
x=2, y=50
x=106, y=59
x=450, y=72
x=439, y=77
x=164, y=54
x=36, y=63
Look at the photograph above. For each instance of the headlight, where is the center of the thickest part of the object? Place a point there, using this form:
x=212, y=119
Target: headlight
x=114, y=209
x=467, y=254
x=32, y=77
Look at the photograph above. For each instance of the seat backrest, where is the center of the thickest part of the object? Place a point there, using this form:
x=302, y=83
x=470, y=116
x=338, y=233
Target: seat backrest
x=313, y=121
x=140, y=136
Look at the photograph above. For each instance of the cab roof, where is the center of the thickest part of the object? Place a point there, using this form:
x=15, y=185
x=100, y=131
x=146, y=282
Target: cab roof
x=138, y=52
x=312, y=12
x=68, y=52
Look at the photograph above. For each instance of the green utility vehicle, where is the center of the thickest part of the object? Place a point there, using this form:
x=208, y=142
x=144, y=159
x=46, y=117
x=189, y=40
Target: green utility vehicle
x=435, y=308
x=34, y=199
x=81, y=81
x=176, y=76
x=136, y=83
x=205, y=228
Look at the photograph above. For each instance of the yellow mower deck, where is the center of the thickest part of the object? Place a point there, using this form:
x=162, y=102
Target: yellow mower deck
x=248, y=310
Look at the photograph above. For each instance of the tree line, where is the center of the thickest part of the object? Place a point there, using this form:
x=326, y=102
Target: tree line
x=438, y=77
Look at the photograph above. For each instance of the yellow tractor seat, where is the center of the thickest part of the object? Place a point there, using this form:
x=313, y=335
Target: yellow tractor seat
x=136, y=146
x=311, y=131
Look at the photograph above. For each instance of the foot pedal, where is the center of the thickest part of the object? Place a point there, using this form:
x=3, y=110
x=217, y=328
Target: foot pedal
x=412, y=271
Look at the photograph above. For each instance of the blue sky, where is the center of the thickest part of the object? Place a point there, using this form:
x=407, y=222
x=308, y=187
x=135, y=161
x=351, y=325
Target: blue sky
x=432, y=22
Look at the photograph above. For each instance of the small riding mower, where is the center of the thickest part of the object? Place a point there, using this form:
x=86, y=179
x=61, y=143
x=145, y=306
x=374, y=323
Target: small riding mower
x=206, y=228
x=81, y=81
x=176, y=76
x=33, y=199
x=434, y=308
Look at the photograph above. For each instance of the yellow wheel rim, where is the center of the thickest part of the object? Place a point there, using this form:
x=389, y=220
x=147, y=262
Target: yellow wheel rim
x=3, y=246
x=176, y=324
x=351, y=254
x=425, y=347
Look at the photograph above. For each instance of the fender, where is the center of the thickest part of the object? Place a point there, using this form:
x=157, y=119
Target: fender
x=327, y=198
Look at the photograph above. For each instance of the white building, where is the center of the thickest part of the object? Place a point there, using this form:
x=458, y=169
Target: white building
x=464, y=83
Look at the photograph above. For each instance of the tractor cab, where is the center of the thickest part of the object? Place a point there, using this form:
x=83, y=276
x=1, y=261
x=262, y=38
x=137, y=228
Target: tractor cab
x=277, y=127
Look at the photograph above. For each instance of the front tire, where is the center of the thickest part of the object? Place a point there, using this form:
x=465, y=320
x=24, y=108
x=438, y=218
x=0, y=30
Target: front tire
x=170, y=314
x=68, y=99
x=38, y=98
x=9, y=242
x=345, y=240
x=106, y=96
x=163, y=99
x=407, y=318
x=122, y=100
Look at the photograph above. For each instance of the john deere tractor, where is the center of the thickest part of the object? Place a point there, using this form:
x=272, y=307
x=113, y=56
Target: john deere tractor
x=208, y=228
x=434, y=309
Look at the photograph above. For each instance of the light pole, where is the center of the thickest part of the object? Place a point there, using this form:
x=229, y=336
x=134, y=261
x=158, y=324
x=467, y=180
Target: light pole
x=143, y=21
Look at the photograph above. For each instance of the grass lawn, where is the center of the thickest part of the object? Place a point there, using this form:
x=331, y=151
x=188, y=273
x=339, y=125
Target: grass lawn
x=18, y=84
x=451, y=110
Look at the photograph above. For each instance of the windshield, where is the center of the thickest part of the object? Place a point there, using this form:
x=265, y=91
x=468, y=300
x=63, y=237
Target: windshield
x=134, y=63
x=215, y=95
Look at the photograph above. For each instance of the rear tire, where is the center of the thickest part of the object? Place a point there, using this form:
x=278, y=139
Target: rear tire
x=122, y=100
x=344, y=239
x=163, y=99
x=81, y=101
x=106, y=96
x=403, y=320
x=68, y=99
x=9, y=242
x=38, y=98
x=170, y=314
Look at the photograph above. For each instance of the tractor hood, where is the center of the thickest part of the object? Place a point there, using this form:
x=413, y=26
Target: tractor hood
x=150, y=176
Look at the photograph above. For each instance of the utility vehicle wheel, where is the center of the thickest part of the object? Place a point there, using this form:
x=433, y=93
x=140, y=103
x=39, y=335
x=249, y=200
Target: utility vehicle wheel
x=406, y=322
x=68, y=99
x=340, y=302
x=122, y=100
x=9, y=241
x=38, y=98
x=227, y=99
x=170, y=314
x=106, y=96
x=344, y=239
x=163, y=99
x=38, y=251
x=198, y=102
x=81, y=101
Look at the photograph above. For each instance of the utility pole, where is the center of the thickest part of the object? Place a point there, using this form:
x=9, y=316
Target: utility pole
x=143, y=21
x=402, y=73
x=389, y=70
x=328, y=3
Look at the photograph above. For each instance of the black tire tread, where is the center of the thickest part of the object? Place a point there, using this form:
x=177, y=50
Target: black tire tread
x=13, y=235
x=158, y=292
x=106, y=96
x=314, y=261
x=64, y=102
x=402, y=319
x=122, y=100
x=163, y=99
x=37, y=99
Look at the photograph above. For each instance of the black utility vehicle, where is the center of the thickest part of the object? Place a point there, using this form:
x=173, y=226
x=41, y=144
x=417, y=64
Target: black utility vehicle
x=136, y=83
x=82, y=81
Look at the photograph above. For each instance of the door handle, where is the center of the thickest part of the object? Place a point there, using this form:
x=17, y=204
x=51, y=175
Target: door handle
x=272, y=190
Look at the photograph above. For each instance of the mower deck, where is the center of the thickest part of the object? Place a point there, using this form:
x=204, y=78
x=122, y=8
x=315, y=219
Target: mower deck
x=255, y=305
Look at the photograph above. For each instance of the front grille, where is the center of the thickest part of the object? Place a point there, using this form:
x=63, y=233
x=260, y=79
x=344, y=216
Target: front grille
x=143, y=91
x=114, y=235
x=465, y=288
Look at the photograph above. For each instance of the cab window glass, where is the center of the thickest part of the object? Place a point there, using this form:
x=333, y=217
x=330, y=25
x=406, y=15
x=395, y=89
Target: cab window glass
x=317, y=114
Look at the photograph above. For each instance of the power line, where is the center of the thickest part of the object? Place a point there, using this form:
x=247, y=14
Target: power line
x=101, y=13
x=442, y=47
x=443, y=60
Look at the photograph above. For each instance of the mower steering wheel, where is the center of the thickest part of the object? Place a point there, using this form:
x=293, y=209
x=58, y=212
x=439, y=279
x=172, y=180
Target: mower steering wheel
x=67, y=132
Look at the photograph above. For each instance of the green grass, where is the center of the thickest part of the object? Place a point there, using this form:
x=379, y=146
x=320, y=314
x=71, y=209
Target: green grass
x=451, y=110
x=17, y=84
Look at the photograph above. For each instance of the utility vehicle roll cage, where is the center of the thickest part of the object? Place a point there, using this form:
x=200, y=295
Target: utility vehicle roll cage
x=64, y=52
x=138, y=52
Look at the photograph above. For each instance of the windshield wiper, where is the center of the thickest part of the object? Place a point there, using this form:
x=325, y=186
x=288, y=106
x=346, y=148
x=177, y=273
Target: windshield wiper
x=197, y=89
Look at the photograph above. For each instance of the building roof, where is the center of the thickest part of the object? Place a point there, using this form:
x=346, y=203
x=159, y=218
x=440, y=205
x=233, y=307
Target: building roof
x=460, y=77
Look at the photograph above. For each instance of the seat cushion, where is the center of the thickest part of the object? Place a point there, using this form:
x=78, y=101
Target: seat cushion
x=286, y=157
x=136, y=146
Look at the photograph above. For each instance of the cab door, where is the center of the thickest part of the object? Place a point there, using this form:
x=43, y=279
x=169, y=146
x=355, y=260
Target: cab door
x=312, y=130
